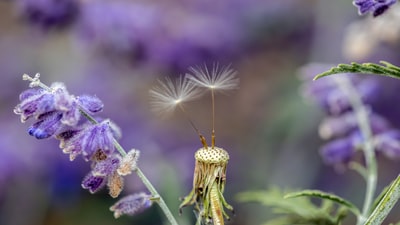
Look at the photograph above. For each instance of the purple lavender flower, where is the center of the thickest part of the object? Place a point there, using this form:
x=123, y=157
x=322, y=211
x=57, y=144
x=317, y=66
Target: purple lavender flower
x=34, y=102
x=58, y=113
x=157, y=33
x=341, y=127
x=131, y=204
x=47, y=125
x=93, y=183
x=48, y=13
x=388, y=143
x=339, y=151
x=105, y=172
x=88, y=140
x=53, y=108
x=377, y=7
x=327, y=93
x=106, y=167
x=91, y=104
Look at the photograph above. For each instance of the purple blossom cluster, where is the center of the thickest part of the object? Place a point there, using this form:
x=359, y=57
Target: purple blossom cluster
x=171, y=35
x=341, y=126
x=48, y=13
x=69, y=119
x=377, y=7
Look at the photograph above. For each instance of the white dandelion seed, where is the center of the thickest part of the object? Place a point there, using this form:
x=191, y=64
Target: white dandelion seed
x=168, y=94
x=219, y=78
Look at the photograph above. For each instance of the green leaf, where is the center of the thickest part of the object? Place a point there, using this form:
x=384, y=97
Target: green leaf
x=327, y=196
x=386, y=204
x=387, y=69
x=296, y=210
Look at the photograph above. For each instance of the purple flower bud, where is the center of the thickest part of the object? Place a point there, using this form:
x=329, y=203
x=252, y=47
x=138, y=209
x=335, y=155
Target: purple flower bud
x=93, y=183
x=337, y=102
x=106, y=167
x=367, y=89
x=34, y=103
x=48, y=124
x=72, y=145
x=337, y=126
x=66, y=136
x=90, y=103
x=72, y=115
x=389, y=144
x=338, y=151
x=90, y=140
x=131, y=204
x=62, y=99
x=29, y=92
x=378, y=124
x=98, y=137
x=377, y=7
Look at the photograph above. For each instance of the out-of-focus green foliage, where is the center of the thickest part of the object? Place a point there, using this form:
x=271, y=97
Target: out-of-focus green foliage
x=296, y=210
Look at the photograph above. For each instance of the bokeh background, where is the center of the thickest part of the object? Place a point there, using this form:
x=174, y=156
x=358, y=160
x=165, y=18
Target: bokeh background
x=117, y=49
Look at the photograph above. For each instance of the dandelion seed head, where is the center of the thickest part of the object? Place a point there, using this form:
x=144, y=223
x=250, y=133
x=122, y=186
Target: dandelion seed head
x=219, y=78
x=168, y=94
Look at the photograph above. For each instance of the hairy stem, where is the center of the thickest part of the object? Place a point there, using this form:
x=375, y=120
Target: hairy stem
x=371, y=169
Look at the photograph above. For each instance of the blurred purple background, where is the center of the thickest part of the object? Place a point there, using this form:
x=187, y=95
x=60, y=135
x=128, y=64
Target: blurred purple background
x=117, y=50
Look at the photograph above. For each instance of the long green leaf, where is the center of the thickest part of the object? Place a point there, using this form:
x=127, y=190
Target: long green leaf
x=324, y=195
x=386, y=204
x=387, y=69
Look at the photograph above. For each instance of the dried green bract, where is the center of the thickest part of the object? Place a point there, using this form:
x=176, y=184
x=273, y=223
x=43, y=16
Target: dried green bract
x=208, y=186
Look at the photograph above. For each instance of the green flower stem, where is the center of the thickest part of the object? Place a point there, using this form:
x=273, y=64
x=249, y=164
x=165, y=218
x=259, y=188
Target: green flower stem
x=369, y=152
x=154, y=192
x=140, y=174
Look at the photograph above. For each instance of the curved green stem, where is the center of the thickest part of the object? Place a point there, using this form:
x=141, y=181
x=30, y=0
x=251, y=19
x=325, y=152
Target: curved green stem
x=369, y=152
x=154, y=192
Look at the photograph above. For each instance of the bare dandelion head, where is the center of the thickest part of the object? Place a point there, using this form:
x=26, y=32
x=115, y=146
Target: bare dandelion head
x=168, y=94
x=219, y=78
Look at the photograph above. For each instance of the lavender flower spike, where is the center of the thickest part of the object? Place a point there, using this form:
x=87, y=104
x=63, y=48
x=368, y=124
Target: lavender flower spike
x=131, y=204
x=377, y=7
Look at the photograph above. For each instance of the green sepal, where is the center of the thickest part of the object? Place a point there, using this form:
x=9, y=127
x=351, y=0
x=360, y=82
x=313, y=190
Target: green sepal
x=387, y=69
x=385, y=204
x=327, y=196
